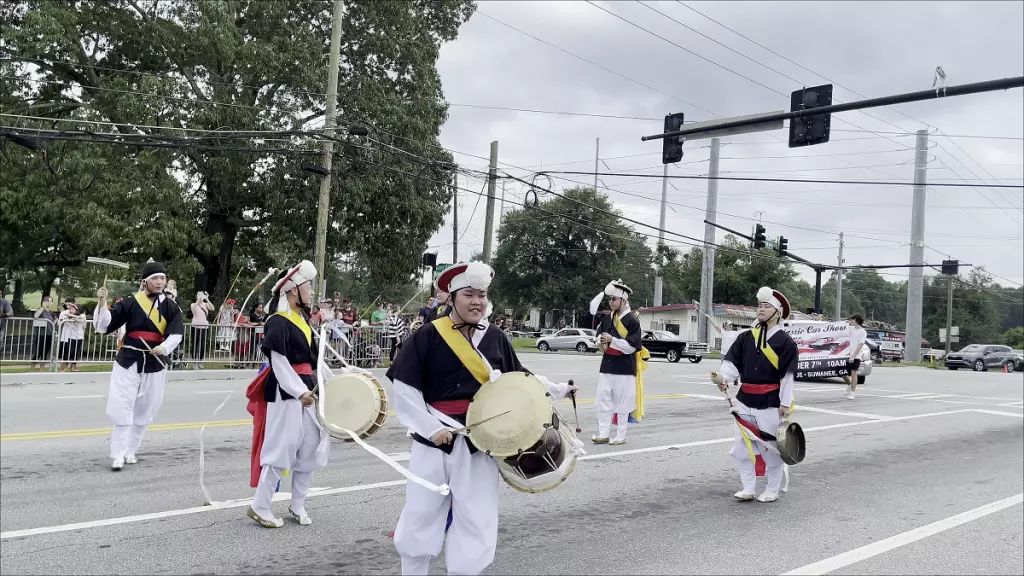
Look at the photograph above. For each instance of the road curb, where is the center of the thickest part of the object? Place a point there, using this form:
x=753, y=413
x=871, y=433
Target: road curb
x=36, y=378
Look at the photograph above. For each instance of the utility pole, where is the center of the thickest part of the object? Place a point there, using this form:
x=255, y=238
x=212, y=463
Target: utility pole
x=492, y=179
x=659, y=279
x=915, y=287
x=324, y=202
x=455, y=218
x=501, y=215
x=597, y=161
x=707, y=276
x=949, y=314
x=839, y=282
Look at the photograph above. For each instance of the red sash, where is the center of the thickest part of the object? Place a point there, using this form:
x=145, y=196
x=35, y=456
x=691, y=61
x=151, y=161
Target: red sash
x=150, y=337
x=451, y=407
x=759, y=388
x=258, y=408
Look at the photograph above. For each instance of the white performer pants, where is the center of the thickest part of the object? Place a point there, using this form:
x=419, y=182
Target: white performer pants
x=616, y=394
x=133, y=401
x=766, y=420
x=303, y=461
x=473, y=535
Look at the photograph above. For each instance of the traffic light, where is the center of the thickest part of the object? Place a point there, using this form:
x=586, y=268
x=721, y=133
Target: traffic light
x=950, y=267
x=758, y=237
x=430, y=259
x=782, y=246
x=813, y=129
x=672, y=146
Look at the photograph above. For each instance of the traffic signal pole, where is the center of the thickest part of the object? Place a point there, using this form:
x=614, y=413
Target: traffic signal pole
x=707, y=277
x=959, y=90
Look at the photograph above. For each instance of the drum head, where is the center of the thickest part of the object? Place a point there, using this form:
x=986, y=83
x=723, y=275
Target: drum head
x=529, y=409
x=349, y=401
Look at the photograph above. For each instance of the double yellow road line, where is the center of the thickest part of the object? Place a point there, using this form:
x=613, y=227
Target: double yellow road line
x=56, y=434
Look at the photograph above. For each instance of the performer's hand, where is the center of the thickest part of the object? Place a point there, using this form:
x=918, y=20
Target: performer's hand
x=605, y=339
x=102, y=294
x=723, y=386
x=571, y=389
x=307, y=399
x=783, y=411
x=442, y=437
x=160, y=351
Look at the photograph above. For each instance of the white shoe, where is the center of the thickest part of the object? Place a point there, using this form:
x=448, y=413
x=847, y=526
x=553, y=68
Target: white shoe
x=271, y=523
x=768, y=497
x=131, y=459
x=785, y=478
x=617, y=442
x=118, y=464
x=303, y=519
x=744, y=496
x=849, y=393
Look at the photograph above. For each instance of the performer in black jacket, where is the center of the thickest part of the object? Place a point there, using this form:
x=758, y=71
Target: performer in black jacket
x=620, y=338
x=764, y=360
x=435, y=375
x=154, y=328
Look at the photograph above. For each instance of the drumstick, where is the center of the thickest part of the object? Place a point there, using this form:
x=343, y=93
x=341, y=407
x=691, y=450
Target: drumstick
x=577, y=414
x=466, y=429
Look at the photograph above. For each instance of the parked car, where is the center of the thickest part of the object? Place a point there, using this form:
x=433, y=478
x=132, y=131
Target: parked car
x=1018, y=360
x=674, y=349
x=578, y=339
x=981, y=357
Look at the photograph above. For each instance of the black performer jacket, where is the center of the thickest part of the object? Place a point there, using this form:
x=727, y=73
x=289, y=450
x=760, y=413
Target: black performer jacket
x=284, y=336
x=614, y=361
x=159, y=319
x=757, y=368
x=428, y=364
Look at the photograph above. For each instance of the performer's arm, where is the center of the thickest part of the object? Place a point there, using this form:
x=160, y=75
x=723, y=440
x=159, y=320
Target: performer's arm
x=786, y=392
x=175, y=329
x=286, y=376
x=107, y=321
x=412, y=411
x=730, y=372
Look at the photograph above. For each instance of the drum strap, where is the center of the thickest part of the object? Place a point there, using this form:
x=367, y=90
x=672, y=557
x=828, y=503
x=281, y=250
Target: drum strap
x=463, y=349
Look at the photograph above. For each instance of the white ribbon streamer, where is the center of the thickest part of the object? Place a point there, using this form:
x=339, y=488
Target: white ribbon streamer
x=207, y=500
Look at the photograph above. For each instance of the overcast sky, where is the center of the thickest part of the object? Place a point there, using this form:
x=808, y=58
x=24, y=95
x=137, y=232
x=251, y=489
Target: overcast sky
x=873, y=48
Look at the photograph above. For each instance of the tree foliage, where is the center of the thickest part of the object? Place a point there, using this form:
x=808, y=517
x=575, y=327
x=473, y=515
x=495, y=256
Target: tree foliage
x=144, y=67
x=558, y=255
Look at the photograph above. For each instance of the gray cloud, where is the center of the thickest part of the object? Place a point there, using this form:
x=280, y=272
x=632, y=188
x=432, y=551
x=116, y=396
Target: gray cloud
x=873, y=48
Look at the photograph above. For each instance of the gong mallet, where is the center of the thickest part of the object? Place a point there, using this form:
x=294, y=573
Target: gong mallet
x=577, y=414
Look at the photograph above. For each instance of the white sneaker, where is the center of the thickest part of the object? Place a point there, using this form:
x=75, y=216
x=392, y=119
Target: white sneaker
x=768, y=497
x=849, y=393
x=303, y=519
x=617, y=442
x=131, y=459
x=744, y=496
x=271, y=523
x=118, y=464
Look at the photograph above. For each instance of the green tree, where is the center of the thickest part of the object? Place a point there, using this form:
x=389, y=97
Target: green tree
x=558, y=255
x=259, y=66
x=1014, y=337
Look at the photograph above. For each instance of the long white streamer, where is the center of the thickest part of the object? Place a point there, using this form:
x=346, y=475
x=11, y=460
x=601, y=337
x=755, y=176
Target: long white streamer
x=207, y=500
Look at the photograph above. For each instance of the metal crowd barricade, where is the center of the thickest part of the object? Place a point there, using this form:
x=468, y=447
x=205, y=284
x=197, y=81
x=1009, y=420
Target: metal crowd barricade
x=219, y=346
x=27, y=341
x=362, y=346
x=87, y=346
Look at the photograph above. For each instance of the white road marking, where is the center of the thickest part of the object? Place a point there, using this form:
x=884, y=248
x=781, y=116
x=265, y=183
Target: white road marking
x=213, y=392
x=1018, y=404
x=77, y=397
x=390, y=484
x=805, y=408
x=882, y=546
x=956, y=395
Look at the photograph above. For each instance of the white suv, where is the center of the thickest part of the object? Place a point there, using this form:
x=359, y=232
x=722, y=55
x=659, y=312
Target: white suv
x=578, y=339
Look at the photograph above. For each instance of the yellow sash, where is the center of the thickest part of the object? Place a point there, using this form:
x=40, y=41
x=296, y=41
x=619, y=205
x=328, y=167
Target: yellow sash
x=642, y=356
x=465, y=351
x=299, y=323
x=152, y=310
x=766, y=349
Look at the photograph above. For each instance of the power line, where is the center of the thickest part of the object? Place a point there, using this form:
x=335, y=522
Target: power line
x=790, y=180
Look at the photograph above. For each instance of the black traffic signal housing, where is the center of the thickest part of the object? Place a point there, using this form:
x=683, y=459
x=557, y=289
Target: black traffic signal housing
x=813, y=129
x=950, y=267
x=782, y=247
x=758, y=237
x=430, y=259
x=672, y=146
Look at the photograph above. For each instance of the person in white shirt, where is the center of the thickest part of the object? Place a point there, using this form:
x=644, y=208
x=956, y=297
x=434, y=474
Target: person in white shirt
x=858, y=336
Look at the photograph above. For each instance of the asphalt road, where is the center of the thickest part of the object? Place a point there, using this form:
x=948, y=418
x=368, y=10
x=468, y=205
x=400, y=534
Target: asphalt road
x=922, y=473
